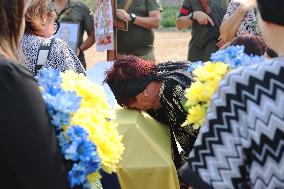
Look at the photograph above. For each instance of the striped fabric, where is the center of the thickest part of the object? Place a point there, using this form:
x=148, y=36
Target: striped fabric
x=241, y=144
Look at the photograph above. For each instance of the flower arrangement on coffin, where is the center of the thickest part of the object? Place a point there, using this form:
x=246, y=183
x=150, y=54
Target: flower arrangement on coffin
x=207, y=77
x=83, y=122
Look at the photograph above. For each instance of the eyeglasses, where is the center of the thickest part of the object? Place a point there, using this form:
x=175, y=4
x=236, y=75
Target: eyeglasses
x=56, y=26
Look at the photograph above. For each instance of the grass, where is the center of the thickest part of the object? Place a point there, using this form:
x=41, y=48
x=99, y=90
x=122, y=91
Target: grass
x=169, y=45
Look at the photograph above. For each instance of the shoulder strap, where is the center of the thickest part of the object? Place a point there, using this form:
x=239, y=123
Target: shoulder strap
x=127, y=5
x=43, y=53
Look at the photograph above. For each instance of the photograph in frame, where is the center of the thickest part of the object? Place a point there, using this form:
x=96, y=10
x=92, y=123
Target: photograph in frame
x=69, y=32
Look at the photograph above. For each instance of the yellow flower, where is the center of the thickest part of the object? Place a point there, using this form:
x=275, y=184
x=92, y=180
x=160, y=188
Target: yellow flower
x=196, y=116
x=92, y=95
x=210, y=71
x=201, y=91
x=104, y=134
x=94, y=115
x=213, y=83
x=198, y=92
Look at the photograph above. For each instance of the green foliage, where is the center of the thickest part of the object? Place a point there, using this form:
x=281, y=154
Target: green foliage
x=169, y=16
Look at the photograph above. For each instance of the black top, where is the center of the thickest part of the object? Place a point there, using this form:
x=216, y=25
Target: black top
x=172, y=112
x=30, y=157
x=204, y=37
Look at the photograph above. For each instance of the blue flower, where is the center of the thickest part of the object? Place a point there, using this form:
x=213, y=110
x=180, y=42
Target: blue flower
x=49, y=76
x=74, y=143
x=60, y=119
x=64, y=143
x=194, y=65
x=77, y=133
x=77, y=175
x=60, y=104
x=87, y=151
x=66, y=101
x=63, y=101
x=227, y=54
x=80, y=147
x=92, y=166
x=71, y=152
x=234, y=56
x=49, y=80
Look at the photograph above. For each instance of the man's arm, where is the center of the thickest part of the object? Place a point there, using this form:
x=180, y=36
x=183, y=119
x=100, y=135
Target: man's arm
x=185, y=19
x=89, y=28
x=150, y=22
x=201, y=17
x=183, y=22
x=88, y=42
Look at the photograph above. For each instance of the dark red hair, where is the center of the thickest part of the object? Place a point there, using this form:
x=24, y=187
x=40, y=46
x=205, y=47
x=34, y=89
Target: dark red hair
x=129, y=67
x=129, y=76
x=253, y=44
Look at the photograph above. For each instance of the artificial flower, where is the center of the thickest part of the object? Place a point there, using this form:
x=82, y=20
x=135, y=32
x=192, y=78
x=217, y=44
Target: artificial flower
x=207, y=78
x=83, y=120
x=198, y=92
x=196, y=116
x=234, y=56
x=210, y=71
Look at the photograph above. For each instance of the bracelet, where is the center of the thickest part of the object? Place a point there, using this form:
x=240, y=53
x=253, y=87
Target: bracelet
x=190, y=16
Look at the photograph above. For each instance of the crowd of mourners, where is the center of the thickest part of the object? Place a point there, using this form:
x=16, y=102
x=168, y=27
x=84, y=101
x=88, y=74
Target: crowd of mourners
x=241, y=141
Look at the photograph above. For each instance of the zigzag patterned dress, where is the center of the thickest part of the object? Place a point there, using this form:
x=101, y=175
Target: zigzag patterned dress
x=241, y=144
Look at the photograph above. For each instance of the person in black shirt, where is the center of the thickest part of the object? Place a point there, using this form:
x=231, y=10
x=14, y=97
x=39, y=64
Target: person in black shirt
x=205, y=17
x=30, y=156
x=157, y=89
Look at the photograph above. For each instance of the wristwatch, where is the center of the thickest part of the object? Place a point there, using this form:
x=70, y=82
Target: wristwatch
x=133, y=17
x=190, y=16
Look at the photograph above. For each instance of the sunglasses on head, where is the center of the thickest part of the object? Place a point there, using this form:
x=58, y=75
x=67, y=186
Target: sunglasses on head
x=57, y=26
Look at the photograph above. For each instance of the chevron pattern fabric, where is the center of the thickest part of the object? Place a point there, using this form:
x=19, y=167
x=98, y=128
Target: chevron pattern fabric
x=241, y=144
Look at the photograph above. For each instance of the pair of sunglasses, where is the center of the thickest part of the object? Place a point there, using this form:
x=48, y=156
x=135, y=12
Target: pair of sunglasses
x=50, y=7
x=57, y=26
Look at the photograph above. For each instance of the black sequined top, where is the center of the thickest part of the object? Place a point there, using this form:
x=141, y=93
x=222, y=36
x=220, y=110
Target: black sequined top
x=172, y=112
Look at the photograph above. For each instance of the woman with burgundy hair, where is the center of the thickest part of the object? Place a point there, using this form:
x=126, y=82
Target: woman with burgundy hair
x=254, y=45
x=157, y=89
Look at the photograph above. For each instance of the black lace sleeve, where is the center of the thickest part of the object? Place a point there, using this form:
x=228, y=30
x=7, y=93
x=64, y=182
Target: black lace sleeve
x=172, y=112
x=172, y=100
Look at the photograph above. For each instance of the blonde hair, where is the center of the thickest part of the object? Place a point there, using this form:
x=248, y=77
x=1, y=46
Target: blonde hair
x=36, y=13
